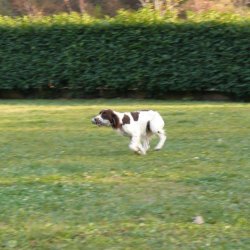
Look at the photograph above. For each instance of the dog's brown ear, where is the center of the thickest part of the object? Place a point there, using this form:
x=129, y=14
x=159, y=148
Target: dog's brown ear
x=115, y=121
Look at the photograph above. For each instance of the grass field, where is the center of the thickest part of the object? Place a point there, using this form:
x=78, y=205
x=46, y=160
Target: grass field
x=66, y=184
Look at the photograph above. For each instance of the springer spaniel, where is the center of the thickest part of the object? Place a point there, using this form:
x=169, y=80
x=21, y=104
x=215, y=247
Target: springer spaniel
x=139, y=126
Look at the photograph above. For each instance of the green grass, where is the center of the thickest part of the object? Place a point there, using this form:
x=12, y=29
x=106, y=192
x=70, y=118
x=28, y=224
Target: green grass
x=66, y=184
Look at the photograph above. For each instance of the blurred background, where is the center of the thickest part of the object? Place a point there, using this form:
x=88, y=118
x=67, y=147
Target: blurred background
x=99, y=8
x=111, y=48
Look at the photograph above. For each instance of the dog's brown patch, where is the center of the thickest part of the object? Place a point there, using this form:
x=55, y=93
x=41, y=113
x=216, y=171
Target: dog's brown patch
x=135, y=115
x=125, y=120
x=109, y=114
x=106, y=114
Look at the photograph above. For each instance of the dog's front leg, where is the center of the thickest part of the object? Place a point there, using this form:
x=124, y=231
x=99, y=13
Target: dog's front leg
x=135, y=145
x=145, y=143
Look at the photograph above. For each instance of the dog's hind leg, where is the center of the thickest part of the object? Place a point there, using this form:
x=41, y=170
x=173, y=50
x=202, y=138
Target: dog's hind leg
x=162, y=136
x=156, y=126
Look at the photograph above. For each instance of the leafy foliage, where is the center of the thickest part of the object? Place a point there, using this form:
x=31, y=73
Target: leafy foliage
x=143, y=51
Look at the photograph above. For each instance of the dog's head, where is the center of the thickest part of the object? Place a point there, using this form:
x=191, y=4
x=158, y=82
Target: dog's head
x=106, y=117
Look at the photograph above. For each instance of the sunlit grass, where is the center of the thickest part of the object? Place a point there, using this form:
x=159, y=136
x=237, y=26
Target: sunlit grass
x=66, y=184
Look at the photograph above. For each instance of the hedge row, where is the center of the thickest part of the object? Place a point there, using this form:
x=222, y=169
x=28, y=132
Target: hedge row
x=143, y=51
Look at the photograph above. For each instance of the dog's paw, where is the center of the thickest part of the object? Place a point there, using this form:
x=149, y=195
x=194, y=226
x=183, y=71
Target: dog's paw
x=139, y=152
x=157, y=149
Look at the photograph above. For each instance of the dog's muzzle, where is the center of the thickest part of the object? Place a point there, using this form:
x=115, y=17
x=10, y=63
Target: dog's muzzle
x=96, y=121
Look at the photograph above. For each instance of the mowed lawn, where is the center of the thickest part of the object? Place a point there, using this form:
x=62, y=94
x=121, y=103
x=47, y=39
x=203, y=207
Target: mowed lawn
x=67, y=184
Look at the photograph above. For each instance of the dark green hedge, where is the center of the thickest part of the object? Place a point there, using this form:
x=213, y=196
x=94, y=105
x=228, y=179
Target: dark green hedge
x=150, y=54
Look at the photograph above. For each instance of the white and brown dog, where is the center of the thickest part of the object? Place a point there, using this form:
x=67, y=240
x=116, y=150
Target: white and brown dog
x=139, y=126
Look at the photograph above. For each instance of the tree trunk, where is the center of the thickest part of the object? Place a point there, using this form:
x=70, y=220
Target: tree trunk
x=68, y=6
x=82, y=6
